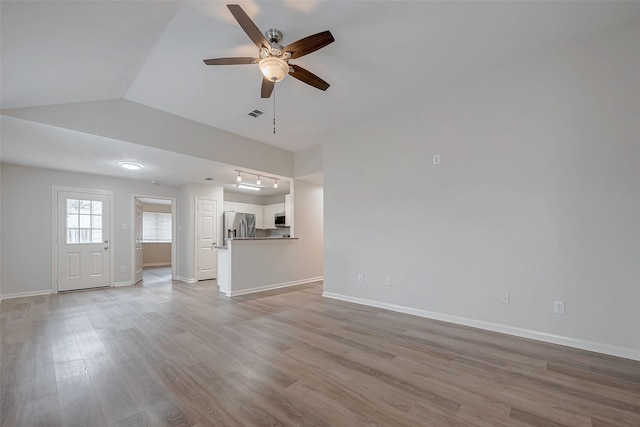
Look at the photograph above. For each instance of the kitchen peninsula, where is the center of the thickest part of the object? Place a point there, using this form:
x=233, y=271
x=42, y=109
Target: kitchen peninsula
x=258, y=264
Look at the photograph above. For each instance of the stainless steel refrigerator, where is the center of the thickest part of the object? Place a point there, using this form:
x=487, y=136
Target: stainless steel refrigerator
x=238, y=225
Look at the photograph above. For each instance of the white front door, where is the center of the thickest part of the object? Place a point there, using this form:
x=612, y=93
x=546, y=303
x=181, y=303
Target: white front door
x=83, y=246
x=206, y=239
x=137, y=237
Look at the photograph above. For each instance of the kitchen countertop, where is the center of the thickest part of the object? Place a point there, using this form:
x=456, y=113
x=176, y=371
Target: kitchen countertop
x=264, y=238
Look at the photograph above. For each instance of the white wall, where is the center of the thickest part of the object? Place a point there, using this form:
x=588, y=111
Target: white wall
x=26, y=222
x=308, y=225
x=1, y=223
x=187, y=226
x=308, y=162
x=537, y=195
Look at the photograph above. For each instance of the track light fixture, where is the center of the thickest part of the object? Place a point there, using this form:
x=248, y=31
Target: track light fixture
x=258, y=178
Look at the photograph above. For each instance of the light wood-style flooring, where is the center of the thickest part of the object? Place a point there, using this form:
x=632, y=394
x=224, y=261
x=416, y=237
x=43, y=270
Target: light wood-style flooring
x=177, y=354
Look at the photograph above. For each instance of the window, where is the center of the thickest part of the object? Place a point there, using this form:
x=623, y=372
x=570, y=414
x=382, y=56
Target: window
x=156, y=227
x=84, y=221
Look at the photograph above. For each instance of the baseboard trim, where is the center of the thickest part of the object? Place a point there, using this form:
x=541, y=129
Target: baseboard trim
x=24, y=294
x=186, y=280
x=612, y=350
x=119, y=284
x=274, y=286
x=157, y=264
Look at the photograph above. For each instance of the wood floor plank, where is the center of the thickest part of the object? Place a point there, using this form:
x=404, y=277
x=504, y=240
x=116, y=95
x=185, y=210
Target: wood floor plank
x=79, y=404
x=115, y=395
x=166, y=353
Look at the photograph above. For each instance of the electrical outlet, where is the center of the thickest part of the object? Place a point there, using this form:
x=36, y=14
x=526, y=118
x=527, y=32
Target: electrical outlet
x=388, y=281
x=122, y=269
x=558, y=307
x=360, y=277
x=506, y=299
x=436, y=159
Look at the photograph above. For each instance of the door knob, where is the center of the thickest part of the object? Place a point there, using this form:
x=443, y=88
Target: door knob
x=106, y=247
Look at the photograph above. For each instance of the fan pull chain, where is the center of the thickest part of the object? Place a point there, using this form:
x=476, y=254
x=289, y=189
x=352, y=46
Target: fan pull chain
x=274, y=108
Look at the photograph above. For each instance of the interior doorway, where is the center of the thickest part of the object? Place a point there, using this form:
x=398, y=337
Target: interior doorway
x=153, y=237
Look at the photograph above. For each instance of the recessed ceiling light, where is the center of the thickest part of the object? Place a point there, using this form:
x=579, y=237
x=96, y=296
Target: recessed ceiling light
x=131, y=166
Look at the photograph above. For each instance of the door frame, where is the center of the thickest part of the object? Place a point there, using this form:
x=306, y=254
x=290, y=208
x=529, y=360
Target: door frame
x=174, y=234
x=54, y=230
x=195, y=234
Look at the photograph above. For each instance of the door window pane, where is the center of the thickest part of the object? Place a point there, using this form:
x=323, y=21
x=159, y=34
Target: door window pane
x=84, y=221
x=72, y=221
x=85, y=235
x=85, y=206
x=72, y=205
x=73, y=236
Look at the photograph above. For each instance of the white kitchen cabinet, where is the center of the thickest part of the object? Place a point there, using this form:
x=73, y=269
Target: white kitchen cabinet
x=239, y=207
x=246, y=208
x=268, y=213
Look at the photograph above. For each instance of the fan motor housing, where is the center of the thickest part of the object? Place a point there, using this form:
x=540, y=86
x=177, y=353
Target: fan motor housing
x=273, y=35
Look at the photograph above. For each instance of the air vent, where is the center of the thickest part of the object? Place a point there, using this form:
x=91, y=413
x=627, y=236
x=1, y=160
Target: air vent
x=208, y=179
x=256, y=113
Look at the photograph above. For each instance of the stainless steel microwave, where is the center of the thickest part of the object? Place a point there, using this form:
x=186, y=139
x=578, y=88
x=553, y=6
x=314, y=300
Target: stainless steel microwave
x=280, y=219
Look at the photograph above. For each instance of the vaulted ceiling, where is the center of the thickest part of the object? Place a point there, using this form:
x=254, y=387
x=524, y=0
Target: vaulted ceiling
x=385, y=53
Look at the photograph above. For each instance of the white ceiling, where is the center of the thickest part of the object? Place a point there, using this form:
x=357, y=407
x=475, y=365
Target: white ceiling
x=385, y=53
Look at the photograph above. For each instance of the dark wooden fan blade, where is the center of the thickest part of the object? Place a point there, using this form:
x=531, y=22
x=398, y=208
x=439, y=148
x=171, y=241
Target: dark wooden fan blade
x=309, y=44
x=267, y=88
x=248, y=26
x=231, y=61
x=308, y=77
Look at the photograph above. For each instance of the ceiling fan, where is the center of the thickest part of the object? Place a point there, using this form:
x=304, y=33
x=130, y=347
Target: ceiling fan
x=273, y=59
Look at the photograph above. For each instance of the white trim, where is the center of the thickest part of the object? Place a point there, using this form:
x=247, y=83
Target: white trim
x=119, y=284
x=628, y=353
x=24, y=294
x=54, y=230
x=274, y=286
x=185, y=279
x=173, y=233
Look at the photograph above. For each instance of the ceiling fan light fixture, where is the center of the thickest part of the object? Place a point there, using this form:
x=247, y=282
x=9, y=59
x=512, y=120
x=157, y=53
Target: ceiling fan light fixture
x=273, y=69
